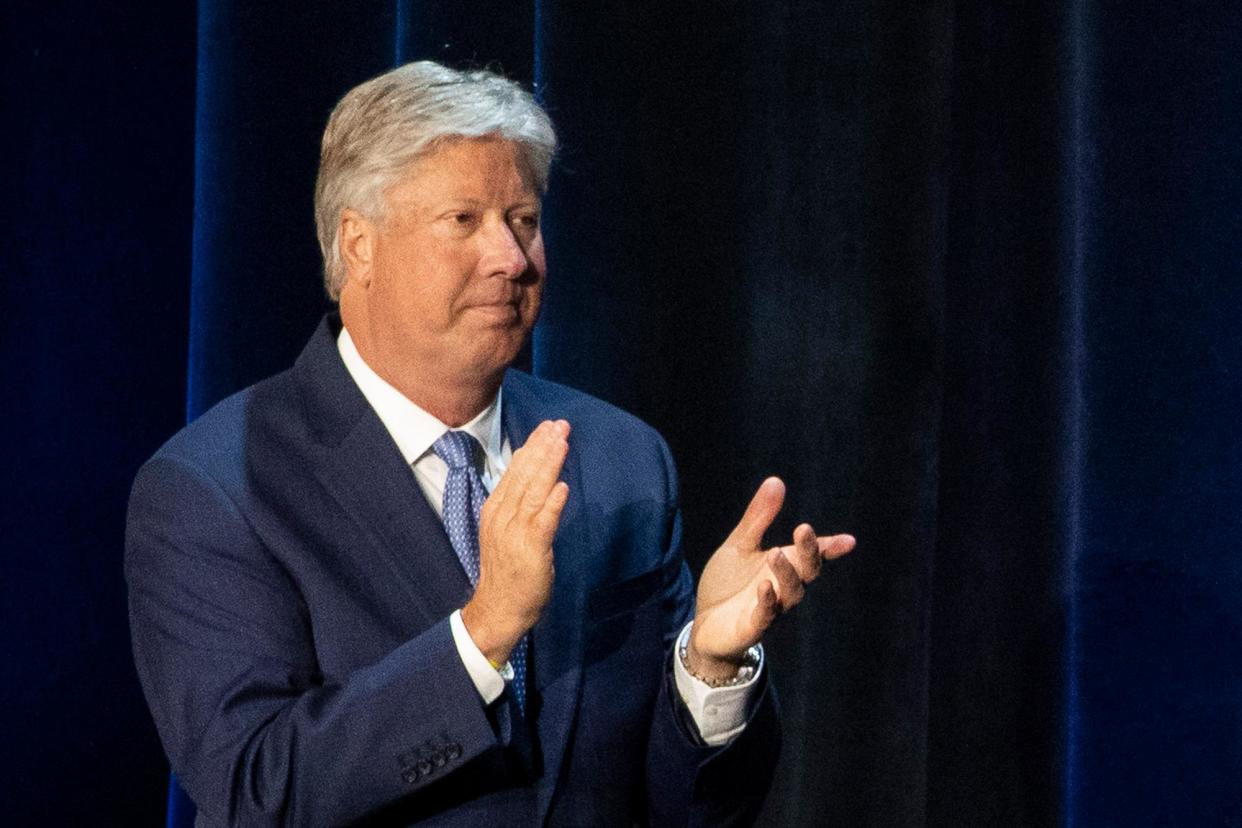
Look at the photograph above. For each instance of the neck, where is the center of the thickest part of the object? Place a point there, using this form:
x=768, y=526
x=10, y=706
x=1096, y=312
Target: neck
x=453, y=400
x=452, y=407
x=453, y=404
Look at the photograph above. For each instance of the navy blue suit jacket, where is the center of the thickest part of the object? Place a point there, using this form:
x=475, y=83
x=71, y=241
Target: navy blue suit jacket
x=289, y=595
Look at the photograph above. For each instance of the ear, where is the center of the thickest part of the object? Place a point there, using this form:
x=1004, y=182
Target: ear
x=356, y=237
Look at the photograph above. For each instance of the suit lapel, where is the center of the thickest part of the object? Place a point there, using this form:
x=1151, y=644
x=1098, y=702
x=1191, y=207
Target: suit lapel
x=557, y=639
x=367, y=475
x=362, y=469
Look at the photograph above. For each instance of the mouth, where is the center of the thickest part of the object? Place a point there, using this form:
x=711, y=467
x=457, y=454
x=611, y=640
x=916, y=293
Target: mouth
x=497, y=311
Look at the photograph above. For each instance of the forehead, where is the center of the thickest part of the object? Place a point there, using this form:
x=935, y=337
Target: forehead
x=476, y=169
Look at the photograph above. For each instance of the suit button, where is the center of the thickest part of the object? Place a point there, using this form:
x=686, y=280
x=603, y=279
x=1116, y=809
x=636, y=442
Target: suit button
x=424, y=767
x=454, y=751
x=409, y=775
x=438, y=759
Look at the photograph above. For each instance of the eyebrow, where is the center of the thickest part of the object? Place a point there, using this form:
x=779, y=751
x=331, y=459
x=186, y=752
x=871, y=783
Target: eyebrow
x=474, y=202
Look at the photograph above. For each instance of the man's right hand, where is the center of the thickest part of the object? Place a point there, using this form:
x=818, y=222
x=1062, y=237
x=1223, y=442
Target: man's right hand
x=516, y=528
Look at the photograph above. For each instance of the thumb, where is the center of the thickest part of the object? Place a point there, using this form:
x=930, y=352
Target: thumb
x=759, y=515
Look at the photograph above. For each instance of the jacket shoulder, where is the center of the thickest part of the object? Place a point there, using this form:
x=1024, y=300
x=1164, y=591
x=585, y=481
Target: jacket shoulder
x=582, y=410
x=216, y=443
x=618, y=449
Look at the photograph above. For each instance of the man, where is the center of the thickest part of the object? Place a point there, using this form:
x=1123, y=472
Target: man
x=330, y=623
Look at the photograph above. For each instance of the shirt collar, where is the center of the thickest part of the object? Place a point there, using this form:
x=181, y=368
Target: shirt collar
x=413, y=429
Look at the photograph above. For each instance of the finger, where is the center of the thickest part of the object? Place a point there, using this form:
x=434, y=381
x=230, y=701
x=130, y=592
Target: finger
x=759, y=515
x=766, y=608
x=545, y=468
x=549, y=517
x=804, y=554
x=789, y=588
x=834, y=546
x=517, y=469
x=516, y=479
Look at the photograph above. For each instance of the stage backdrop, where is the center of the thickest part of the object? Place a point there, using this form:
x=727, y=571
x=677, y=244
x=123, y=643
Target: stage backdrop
x=967, y=276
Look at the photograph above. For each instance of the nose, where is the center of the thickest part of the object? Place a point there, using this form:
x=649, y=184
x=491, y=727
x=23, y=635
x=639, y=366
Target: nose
x=503, y=254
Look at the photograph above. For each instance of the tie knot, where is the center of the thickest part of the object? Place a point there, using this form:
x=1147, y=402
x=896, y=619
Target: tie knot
x=457, y=449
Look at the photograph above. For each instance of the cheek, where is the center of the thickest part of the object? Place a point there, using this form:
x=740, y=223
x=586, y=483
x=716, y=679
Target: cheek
x=532, y=298
x=539, y=270
x=424, y=287
x=536, y=255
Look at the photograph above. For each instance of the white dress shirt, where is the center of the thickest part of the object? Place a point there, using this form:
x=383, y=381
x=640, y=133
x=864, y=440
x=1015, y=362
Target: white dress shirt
x=720, y=713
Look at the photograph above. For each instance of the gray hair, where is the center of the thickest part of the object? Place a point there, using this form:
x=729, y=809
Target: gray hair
x=383, y=125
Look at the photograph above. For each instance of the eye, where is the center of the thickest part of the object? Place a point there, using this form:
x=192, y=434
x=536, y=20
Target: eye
x=463, y=219
x=528, y=222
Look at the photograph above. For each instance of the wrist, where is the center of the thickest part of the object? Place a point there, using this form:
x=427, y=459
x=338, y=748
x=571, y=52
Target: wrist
x=718, y=670
x=493, y=641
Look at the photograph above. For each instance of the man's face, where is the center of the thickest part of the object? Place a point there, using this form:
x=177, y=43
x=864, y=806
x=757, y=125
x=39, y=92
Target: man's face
x=457, y=264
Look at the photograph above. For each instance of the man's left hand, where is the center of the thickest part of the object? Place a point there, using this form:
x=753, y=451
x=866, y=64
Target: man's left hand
x=744, y=588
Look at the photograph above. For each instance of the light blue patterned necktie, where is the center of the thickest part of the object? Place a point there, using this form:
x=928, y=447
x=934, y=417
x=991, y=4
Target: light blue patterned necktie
x=464, y=494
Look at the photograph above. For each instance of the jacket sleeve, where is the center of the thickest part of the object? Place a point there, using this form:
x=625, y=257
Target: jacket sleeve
x=689, y=783
x=225, y=652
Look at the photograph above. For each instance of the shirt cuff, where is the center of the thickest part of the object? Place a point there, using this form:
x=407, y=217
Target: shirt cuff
x=489, y=681
x=720, y=713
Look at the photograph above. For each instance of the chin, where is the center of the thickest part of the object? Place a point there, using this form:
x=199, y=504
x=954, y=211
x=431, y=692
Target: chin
x=503, y=350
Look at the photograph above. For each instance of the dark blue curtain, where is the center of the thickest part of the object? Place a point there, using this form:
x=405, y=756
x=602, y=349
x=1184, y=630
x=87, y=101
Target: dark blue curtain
x=966, y=276
x=96, y=150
